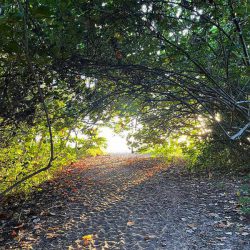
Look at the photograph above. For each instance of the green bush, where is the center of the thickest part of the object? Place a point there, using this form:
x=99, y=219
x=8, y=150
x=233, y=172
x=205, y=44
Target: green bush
x=29, y=151
x=171, y=152
x=203, y=155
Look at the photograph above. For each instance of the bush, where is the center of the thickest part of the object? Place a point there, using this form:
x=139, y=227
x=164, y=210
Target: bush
x=204, y=155
x=29, y=151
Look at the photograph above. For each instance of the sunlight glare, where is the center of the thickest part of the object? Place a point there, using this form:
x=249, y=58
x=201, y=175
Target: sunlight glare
x=182, y=138
x=116, y=142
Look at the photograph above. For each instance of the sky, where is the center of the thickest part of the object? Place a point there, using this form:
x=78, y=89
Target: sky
x=116, y=143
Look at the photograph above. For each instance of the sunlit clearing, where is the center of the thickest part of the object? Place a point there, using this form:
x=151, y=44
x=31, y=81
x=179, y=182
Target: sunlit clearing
x=183, y=139
x=116, y=143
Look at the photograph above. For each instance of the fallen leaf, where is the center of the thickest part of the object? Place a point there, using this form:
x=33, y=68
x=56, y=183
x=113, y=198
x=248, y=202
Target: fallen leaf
x=223, y=224
x=244, y=233
x=106, y=245
x=193, y=226
x=19, y=226
x=36, y=220
x=87, y=239
x=38, y=226
x=149, y=237
x=60, y=232
x=221, y=238
x=130, y=223
x=13, y=233
x=78, y=241
x=51, y=235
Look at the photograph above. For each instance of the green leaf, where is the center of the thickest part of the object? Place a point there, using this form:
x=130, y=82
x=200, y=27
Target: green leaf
x=12, y=47
x=41, y=12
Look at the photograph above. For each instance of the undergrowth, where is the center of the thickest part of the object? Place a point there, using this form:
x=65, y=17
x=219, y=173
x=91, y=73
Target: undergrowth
x=29, y=150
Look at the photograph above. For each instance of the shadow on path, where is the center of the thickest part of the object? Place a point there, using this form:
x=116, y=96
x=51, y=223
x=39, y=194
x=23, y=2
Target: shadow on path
x=129, y=203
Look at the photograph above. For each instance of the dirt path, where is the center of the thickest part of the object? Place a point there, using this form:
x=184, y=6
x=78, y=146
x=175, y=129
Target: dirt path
x=127, y=203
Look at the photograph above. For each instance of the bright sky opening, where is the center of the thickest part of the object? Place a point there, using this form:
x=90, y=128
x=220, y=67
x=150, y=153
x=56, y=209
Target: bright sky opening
x=116, y=143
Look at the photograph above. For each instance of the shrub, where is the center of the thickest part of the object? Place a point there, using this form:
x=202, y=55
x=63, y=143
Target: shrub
x=29, y=151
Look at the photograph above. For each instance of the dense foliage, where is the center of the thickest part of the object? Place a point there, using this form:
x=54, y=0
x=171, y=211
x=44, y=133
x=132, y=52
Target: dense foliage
x=28, y=150
x=166, y=64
